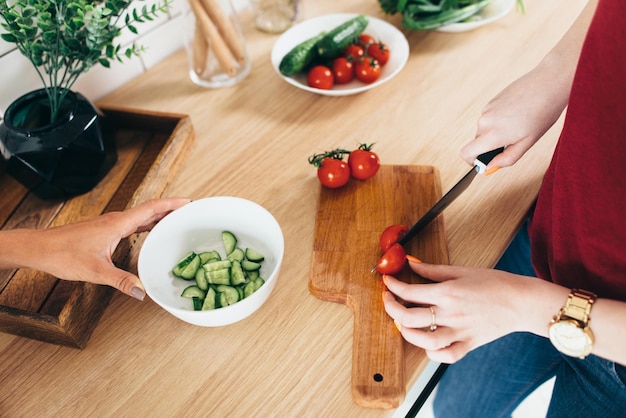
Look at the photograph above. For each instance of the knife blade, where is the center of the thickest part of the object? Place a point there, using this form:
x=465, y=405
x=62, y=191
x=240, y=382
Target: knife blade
x=479, y=167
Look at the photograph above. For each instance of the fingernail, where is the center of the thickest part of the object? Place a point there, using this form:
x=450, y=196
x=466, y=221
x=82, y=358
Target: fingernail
x=413, y=259
x=492, y=170
x=137, y=293
x=397, y=324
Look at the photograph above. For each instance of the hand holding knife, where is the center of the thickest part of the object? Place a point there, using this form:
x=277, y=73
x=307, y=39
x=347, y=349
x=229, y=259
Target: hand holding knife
x=480, y=165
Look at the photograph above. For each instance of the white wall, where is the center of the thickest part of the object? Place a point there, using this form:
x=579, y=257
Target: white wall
x=160, y=38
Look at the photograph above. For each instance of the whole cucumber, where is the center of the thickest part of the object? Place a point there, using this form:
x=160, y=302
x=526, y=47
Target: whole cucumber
x=338, y=39
x=300, y=56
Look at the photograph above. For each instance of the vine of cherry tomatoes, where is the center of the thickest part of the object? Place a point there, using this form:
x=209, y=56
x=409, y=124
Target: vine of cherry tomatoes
x=362, y=60
x=333, y=172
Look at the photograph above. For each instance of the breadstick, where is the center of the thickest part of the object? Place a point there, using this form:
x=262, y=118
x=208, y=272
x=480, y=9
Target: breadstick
x=200, y=51
x=226, y=29
x=216, y=43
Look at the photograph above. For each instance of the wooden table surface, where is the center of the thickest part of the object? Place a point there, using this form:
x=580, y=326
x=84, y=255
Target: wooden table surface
x=293, y=357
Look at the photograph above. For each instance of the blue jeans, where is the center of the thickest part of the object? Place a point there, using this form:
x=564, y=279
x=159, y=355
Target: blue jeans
x=492, y=380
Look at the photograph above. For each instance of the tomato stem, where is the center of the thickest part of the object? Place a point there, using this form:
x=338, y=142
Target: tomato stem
x=337, y=154
x=366, y=147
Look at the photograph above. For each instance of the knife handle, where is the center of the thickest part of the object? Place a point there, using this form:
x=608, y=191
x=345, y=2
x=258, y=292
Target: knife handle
x=481, y=162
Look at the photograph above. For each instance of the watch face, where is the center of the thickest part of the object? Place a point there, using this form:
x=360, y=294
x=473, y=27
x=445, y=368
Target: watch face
x=570, y=339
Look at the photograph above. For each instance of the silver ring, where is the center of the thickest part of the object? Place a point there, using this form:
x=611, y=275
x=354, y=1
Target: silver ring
x=433, y=323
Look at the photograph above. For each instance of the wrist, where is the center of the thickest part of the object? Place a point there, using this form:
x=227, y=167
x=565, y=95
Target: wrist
x=540, y=300
x=570, y=330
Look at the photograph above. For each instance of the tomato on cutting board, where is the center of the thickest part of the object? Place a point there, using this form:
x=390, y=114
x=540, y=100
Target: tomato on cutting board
x=391, y=235
x=392, y=261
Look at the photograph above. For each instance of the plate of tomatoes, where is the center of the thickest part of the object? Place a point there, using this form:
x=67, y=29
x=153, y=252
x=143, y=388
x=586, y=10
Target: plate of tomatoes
x=373, y=57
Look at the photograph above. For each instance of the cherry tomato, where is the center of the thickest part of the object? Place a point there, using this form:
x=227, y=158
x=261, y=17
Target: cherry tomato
x=391, y=235
x=379, y=51
x=363, y=162
x=333, y=173
x=354, y=52
x=366, y=40
x=392, y=261
x=320, y=77
x=367, y=70
x=343, y=70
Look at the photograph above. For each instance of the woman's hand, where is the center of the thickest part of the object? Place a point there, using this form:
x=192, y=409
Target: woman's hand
x=83, y=251
x=471, y=307
x=526, y=109
x=516, y=118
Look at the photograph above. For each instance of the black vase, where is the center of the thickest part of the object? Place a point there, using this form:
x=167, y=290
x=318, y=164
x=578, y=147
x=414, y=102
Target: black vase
x=61, y=159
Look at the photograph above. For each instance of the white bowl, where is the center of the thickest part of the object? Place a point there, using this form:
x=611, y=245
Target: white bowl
x=379, y=29
x=493, y=11
x=197, y=226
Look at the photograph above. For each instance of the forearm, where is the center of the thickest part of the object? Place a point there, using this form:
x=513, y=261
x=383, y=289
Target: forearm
x=559, y=66
x=17, y=247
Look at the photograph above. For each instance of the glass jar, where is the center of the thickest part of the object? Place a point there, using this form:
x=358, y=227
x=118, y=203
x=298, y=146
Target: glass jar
x=215, y=44
x=275, y=16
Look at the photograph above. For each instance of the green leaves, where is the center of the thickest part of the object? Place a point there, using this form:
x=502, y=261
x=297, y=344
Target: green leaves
x=432, y=14
x=65, y=39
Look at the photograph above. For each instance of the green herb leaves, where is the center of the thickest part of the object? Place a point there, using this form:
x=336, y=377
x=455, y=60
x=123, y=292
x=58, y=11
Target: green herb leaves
x=64, y=39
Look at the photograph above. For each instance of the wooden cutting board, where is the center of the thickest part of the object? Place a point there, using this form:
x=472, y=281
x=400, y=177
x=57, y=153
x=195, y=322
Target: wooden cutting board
x=348, y=225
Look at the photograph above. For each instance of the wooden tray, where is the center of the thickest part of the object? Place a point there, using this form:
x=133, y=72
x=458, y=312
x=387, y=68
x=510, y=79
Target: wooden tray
x=348, y=225
x=151, y=148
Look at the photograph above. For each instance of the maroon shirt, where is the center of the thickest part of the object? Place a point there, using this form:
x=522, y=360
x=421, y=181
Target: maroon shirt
x=578, y=231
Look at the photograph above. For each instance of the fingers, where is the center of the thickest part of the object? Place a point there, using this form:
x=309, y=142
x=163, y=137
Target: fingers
x=441, y=344
x=145, y=215
x=127, y=283
x=415, y=317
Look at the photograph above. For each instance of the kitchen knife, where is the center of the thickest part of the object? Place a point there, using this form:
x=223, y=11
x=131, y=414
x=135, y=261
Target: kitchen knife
x=479, y=167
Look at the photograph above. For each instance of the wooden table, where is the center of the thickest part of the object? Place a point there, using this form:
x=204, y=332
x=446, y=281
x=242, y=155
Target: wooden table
x=293, y=357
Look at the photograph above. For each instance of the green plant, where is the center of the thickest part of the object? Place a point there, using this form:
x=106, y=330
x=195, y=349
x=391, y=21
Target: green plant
x=64, y=39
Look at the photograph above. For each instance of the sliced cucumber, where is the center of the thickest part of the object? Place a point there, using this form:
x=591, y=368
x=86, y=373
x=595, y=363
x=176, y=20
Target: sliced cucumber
x=193, y=292
x=220, y=281
x=217, y=265
x=218, y=276
x=251, y=275
x=197, y=303
x=258, y=282
x=208, y=256
x=248, y=265
x=178, y=269
x=227, y=295
x=209, y=300
x=237, y=275
x=252, y=286
x=201, y=280
x=253, y=255
x=248, y=289
x=230, y=241
x=236, y=255
x=189, y=272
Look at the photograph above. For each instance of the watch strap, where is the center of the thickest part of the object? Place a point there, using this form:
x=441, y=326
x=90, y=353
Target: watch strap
x=578, y=305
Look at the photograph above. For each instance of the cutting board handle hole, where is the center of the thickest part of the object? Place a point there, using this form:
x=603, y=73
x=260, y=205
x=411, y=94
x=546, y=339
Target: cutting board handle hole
x=378, y=377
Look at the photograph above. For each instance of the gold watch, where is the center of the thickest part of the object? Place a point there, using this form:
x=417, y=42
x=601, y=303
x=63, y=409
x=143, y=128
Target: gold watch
x=569, y=330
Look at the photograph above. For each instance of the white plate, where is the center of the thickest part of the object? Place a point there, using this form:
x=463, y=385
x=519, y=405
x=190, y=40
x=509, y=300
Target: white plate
x=379, y=29
x=493, y=11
